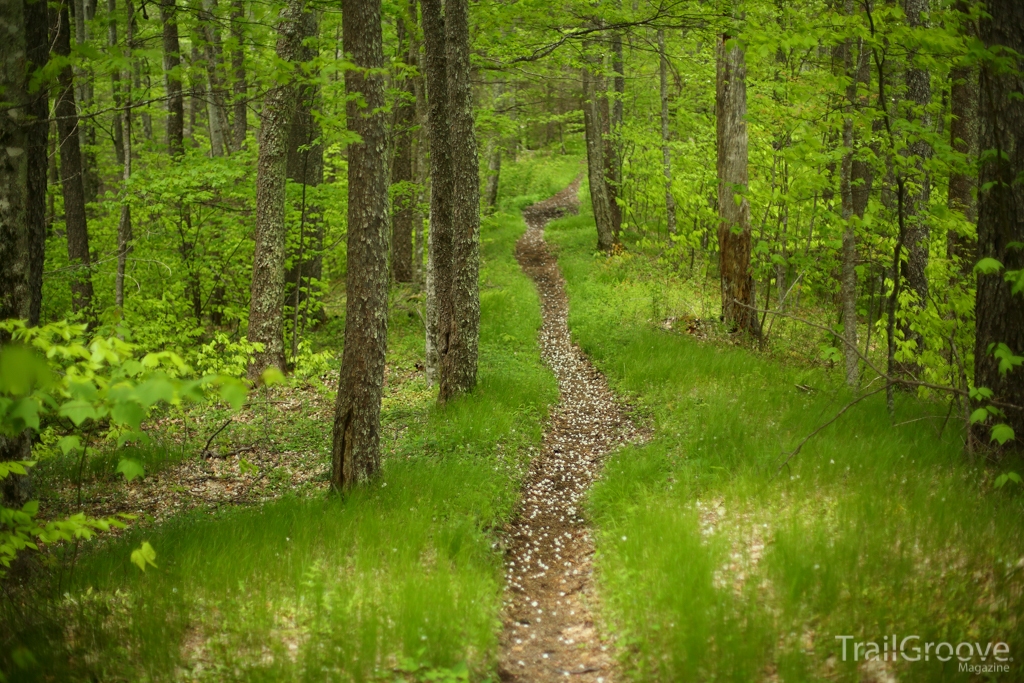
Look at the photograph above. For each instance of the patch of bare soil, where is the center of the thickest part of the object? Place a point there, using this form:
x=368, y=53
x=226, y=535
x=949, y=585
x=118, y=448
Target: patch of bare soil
x=550, y=632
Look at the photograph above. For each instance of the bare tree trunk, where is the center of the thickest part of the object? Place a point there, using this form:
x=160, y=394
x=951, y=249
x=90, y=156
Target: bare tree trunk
x=356, y=448
x=963, y=134
x=172, y=62
x=306, y=166
x=124, y=225
x=666, y=152
x=599, y=199
x=267, y=293
x=733, y=205
x=238, y=85
x=23, y=167
x=919, y=92
x=999, y=311
x=71, y=170
x=402, y=173
x=440, y=257
x=83, y=86
x=613, y=121
x=494, y=156
x=115, y=83
x=848, y=285
x=460, y=319
x=420, y=160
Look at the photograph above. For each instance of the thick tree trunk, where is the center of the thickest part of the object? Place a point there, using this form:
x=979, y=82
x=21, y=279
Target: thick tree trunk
x=919, y=92
x=666, y=152
x=848, y=285
x=306, y=167
x=963, y=135
x=124, y=224
x=460, y=317
x=239, y=123
x=71, y=169
x=267, y=292
x=402, y=174
x=599, y=199
x=733, y=206
x=1000, y=312
x=23, y=141
x=440, y=259
x=172, y=78
x=356, y=448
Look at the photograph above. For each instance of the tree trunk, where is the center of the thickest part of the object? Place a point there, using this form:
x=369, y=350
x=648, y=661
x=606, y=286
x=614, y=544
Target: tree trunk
x=216, y=109
x=666, y=153
x=402, y=174
x=420, y=159
x=612, y=112
x=919, y=92
x=172, y=63
x=23, y=167
x=306, y=167
x=71, y=170
x=266, y=300
x=238, y=86
x=599, y=198
x=440, y=259
x=733, y=205
x=86, y=131
x=1000, y=312
x=356, y=447
x=494, y=156
x=117, y=134
x=963, y=135
x=460, y=316
x=848, y=284
x=124, y=224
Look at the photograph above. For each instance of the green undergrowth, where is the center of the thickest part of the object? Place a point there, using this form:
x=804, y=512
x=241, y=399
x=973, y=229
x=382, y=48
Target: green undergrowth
x=716, y=562
x=400, y=580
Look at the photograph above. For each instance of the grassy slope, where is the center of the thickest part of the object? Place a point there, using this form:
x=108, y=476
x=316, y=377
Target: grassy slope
x=404, y=573
x=712, y=571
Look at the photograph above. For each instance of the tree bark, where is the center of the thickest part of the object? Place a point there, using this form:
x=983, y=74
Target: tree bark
x=267, y=291
x=23, y=166
x=440, y=257
x=124, y=224
x=918, y=233
x=666, y=152
x=734, y=238
x=117, y=134
x=239, y=123
x=848, y=283
x=1000, y=312
x=71, y=177
x=306, y=167
x=460, y=317
x=599, y=199
x=84, y=90
x=356, y=447
x=402, y=173
x=172, y=76
x=494, y=156
x=213, y=54
x=963, y=135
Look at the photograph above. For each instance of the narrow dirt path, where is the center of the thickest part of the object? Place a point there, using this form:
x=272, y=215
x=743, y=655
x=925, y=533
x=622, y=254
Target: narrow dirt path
x=550, y=633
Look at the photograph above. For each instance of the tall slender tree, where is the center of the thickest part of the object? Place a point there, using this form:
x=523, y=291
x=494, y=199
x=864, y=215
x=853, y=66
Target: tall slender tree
x=1000, y=311
x=734, y=239
x=666, y=151
x=963, y=135
x=593, y=132
x=172, y=78
x=356, y=445
x=71, y=175
x=402, y=168
x=124, y=224
x=239, y=89
x=266, y=302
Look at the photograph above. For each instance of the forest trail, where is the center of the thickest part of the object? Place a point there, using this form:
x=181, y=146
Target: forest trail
x=550, y=633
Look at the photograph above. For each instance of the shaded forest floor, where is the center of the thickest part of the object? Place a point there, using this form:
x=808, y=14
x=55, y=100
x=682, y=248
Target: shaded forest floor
x=710, y=563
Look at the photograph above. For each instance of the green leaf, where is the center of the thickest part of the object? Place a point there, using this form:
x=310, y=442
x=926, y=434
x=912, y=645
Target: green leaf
x=131, y=469
x=78, y=411
x=128, y=413
x=988, y=266
x=272, y=376
x=1002, y=433
x=22, y=370
x=234, y=392
x=143, y=556
x=153, y=390
x=69, y=443
x=979, y=415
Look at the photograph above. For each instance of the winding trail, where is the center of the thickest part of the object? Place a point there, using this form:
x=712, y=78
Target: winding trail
x=550, y=634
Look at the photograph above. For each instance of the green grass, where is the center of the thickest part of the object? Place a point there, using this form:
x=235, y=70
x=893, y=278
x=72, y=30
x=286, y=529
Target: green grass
x=712, y=568
x=401, y=580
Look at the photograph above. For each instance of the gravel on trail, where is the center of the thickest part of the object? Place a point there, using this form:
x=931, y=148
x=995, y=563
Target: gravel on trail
x=550, y=632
